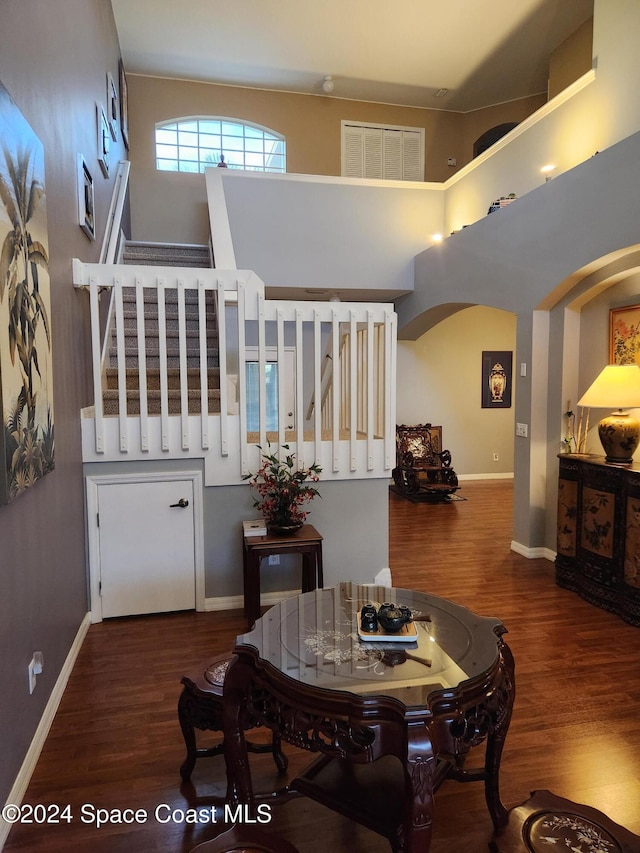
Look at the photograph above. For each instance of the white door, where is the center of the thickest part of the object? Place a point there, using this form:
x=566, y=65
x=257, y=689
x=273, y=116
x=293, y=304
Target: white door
x=146, y=538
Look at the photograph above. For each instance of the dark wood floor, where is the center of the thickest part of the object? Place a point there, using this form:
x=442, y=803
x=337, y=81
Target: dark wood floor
x=115, y=742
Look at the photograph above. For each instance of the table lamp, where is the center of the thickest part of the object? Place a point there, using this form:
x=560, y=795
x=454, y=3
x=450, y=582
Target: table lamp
x=617, y=387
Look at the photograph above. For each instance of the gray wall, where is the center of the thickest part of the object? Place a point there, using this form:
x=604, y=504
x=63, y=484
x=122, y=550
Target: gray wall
x=53, y=62
x=323, y=249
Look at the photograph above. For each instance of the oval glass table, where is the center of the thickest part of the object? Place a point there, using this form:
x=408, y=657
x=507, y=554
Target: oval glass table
x=390, y=720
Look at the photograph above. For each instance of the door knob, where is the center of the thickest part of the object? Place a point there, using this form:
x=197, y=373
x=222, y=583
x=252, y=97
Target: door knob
x=182, y=503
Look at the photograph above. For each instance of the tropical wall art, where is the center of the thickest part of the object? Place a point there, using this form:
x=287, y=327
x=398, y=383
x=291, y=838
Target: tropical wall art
x=26, y=386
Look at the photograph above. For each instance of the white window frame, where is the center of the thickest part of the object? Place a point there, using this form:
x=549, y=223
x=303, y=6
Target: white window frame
x=376, y=126
x=252, y=356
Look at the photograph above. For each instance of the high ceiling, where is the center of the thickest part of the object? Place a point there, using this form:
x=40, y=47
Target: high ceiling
x=392, y=51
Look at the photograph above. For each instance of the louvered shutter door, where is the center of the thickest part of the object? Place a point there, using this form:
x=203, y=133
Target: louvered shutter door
x=376, y=152
x=353, y=166
x=393, y=155
x=411, y=158
x=373, y=153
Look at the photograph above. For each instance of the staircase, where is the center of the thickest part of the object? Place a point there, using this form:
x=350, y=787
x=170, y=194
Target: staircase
x=167, y=255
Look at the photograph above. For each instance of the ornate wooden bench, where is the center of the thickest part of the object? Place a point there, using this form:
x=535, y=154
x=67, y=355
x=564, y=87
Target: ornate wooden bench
x=423, y=469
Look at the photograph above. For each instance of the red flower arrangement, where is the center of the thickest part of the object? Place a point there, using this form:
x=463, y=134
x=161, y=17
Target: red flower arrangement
x=282, y=489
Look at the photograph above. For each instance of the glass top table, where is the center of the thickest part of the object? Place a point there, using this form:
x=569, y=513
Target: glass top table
x=313, y=639
x=305, y=673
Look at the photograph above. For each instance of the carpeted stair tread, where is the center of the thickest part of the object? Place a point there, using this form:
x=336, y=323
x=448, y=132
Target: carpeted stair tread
x=173, y=378
x=110, y=402
x=166, y=254
x=169, y=255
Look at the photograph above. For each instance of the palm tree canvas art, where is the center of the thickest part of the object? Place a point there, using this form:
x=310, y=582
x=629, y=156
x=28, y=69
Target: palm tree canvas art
x=26, y=388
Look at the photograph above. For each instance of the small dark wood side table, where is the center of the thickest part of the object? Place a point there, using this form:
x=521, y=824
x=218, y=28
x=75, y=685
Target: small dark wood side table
x=307, y=542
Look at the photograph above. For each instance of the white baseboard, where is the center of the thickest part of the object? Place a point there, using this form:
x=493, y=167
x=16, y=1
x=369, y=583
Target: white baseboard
x=268, y=599
x=33, y=753
x=236, y=602
x=533, y=553
x=507, y=475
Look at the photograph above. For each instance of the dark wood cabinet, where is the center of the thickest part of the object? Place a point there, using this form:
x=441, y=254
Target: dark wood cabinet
x=598, y=542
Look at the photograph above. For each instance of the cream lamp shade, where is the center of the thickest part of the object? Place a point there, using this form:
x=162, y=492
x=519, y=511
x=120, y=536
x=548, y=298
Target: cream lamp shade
x=617, y=387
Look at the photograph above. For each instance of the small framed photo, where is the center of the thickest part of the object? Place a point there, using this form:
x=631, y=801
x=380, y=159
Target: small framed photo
x=497, y=376
x=86, y=208
x=624, y=335
x=104, y=139
x=124, y=105
x=113, y=106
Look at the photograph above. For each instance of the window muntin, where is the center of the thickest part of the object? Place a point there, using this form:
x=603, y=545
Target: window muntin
x=191, y=145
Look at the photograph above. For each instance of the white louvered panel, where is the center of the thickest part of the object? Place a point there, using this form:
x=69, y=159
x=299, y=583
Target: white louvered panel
x=373, y=153
x=412, y=166
x=393, y=142
x=353, y=157
x=376, y=151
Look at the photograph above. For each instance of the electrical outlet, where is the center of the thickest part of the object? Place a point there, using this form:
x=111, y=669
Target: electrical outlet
x=522, y=430
x=274, y=559
x=495, y=457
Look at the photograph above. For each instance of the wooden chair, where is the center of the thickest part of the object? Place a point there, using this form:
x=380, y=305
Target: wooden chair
x=423, y=469
x=546, y=822
x=200, y=707
x=245, y=839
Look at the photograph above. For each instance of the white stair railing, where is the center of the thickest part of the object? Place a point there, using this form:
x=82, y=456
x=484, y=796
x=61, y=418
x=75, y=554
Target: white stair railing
x=355, y=384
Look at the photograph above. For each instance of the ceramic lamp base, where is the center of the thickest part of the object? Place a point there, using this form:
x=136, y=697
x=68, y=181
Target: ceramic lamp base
x=619, y=434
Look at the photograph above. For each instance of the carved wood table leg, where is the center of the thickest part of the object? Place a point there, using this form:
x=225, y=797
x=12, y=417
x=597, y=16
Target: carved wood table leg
x=501, y=706
x=418, y=807
x=188, y=732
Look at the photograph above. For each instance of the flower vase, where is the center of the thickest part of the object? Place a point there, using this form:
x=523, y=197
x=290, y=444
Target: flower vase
x=283, y=527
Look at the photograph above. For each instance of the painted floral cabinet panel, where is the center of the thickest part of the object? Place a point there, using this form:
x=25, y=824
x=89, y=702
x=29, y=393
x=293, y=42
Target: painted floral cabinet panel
x=596, y=532
x=598, y=541
x=567, y=516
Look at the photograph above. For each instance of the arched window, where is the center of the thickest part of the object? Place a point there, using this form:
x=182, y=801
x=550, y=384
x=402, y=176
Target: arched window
x=191, y=144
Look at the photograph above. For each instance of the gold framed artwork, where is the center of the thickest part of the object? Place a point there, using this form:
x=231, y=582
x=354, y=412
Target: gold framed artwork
x=624, y=335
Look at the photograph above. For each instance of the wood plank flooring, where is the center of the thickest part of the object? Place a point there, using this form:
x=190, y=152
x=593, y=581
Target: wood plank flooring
x=115, y=742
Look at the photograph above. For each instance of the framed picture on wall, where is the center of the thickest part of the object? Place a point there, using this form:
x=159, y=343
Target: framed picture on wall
x=27, y=445
x=624, y=335
x=113, y=108
x=497, y=377
x=86, y=210
x=124, y=105
x=104, y=139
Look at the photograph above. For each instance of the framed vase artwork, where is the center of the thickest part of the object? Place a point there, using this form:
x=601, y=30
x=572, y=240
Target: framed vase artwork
x=624, y=335
x=497, y=379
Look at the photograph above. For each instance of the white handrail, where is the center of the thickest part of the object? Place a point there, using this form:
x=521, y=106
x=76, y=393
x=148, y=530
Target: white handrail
x=111, y=240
